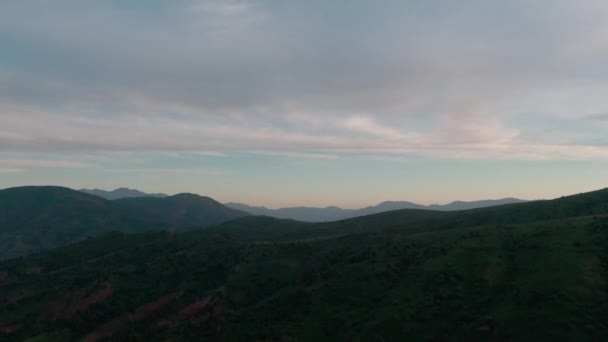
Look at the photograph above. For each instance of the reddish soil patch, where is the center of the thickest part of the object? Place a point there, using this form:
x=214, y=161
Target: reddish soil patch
x=34, y=270
x=189, y=311
x=146, y=310
x=9, y=329
x=17, y=296
x=81, y=303
x=113, y=327
x=3, y=278
x=106, y=331
x=195, y=307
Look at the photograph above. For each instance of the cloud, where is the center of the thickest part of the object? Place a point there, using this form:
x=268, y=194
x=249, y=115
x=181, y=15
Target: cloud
x=224, y=8
x=598, y=117
x=475, y=128
x=46, y=163
x=297, y=155
x=155, y=170
x=312, y=78
x=10, y=170
x=367, y=125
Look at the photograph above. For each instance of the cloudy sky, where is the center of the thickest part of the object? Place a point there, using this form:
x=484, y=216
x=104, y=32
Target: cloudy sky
x=315, y=102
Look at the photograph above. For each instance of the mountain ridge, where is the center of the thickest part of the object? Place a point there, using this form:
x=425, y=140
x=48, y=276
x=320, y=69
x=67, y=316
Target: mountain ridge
x=317, y=214
x=121, y=193
x=334, y=213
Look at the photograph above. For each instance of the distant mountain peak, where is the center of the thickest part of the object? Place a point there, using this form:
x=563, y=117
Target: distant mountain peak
x=121, y=193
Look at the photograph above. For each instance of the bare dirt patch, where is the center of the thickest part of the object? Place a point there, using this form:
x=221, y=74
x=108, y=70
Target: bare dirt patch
x=141, y=313
x=190, y=311
x=9, y=329
x=17, y=296
x=146, y=310
x=80, y=302
x=33, y=270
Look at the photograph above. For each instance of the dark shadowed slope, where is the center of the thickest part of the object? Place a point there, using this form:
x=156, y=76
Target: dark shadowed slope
x=327, y=214
x=120, y=193
x=529, y=272
x=34, y=219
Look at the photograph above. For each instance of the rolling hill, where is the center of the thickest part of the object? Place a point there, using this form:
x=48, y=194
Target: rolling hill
x=327, y=214
x=34, y=219
x=519, y=272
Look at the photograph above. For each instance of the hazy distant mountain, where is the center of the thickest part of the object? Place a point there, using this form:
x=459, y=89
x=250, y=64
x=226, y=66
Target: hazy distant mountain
x=312, y=214
x=35, y=219
x=461, y=205
x=120, y=193
x=297, y=213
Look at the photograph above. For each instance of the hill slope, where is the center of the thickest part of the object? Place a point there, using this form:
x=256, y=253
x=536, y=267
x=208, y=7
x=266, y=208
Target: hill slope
x=312, y=214
x=35, y=219
x=523, y=272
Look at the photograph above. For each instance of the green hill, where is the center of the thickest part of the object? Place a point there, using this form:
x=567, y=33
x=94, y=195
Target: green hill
x=534, y=271
x=34, y=219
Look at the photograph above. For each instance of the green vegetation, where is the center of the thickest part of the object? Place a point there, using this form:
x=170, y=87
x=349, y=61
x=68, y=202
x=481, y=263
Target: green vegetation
x=34, y=219
x=533, y=271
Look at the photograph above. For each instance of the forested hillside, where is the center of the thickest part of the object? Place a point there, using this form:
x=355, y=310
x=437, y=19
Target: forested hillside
x=534, y=271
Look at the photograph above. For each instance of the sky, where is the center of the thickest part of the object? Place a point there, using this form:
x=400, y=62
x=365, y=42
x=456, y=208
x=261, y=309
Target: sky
x=284, y=103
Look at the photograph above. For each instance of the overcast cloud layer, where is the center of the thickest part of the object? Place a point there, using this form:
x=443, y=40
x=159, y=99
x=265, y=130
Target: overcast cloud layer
x=307, y=102
x=475, y=79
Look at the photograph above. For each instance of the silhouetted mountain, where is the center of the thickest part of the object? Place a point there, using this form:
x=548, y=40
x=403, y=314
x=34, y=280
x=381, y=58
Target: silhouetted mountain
x=534, y=271
x=312, y=214
x=120, y=193
x=39, y=218
x=176, y=212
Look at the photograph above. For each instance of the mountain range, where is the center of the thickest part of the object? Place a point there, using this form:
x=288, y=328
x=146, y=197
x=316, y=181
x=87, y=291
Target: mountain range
x=312, y=214
x=120, y=193
x=533, y=271
x=35, y=219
